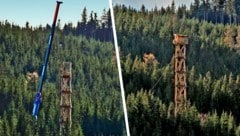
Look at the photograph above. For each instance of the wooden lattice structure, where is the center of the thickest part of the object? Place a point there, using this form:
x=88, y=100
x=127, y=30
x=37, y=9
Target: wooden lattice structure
x=180, y=83
x=66, y=91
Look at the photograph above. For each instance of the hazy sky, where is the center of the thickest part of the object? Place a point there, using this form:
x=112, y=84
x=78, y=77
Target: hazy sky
x=38, y=12
x=151, y=3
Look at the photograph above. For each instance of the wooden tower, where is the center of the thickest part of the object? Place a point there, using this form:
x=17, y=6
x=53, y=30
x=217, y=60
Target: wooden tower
x=65, y=102
x=180, y=83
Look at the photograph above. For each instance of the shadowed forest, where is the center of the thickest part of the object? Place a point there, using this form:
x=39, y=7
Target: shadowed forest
x=96, y=93
x=213, y=73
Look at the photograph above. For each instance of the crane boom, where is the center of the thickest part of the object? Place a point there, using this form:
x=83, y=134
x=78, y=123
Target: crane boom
x=37, y=99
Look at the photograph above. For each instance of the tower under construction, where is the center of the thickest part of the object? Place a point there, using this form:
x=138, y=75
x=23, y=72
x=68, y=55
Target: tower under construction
x=66, y=102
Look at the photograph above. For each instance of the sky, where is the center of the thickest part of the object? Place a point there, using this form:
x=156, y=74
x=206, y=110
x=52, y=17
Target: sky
x=38, y=12
x=150, y=4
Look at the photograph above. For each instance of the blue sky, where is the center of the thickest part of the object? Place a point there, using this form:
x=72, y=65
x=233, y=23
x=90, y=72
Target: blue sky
x=151, y=3
x=38, y=12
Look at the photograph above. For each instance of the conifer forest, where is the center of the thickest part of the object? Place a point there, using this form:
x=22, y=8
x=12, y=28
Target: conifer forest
x=145, y=38
x=96, y=97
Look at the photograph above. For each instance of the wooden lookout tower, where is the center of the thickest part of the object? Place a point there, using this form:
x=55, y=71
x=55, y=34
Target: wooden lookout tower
x=180, y=83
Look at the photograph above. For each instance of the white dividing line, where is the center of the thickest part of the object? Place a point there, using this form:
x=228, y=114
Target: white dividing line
x=119, y=69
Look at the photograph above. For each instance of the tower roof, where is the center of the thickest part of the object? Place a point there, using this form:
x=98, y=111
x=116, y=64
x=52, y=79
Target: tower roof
x=180, y=39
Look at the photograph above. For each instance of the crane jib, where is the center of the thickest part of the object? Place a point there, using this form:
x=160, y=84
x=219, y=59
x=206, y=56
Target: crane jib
x=37, y=100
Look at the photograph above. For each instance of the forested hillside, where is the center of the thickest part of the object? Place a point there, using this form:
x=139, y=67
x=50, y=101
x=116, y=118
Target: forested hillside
x=97, y=107
x=213, y=84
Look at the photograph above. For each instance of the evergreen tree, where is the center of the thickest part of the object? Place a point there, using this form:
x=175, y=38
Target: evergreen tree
x=84, y=16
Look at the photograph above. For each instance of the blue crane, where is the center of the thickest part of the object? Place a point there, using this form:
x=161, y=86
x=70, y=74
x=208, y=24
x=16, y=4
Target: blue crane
x=37, y=99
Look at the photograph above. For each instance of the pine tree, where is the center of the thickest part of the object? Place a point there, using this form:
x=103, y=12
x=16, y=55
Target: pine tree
x=6, y=126
x=224, y=123
x=84, y=16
